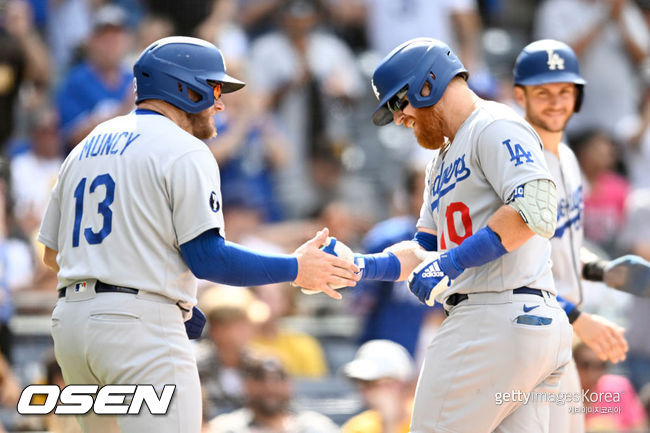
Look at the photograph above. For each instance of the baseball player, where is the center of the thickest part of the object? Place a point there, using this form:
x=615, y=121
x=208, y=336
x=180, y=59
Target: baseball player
x=135, y=212
x=549, y=87
x=481, y=249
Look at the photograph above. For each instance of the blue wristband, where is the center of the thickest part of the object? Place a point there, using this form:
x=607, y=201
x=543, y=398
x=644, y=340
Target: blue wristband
x=569, y=308
x=566, y=305
x=381, y=266
x=482, y=247
x=426, y=240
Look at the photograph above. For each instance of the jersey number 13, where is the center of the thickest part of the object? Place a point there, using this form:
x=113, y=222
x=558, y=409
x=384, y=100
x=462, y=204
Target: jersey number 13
x=103, y=208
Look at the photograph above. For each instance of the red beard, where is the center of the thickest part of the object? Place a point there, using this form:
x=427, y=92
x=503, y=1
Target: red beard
x=428, y=128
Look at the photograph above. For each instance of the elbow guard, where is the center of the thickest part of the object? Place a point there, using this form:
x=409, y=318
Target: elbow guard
x=536, y=202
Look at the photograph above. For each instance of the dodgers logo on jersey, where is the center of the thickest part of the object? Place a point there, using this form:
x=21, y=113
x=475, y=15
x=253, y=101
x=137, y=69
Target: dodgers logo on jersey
x=569, y=212
x=518, y=153
x=214, y=202
x=447, y=179
x=554, y=61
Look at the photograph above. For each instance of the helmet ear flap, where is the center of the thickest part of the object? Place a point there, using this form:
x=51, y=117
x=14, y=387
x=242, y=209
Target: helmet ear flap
x=579, y=96
x=430, y=80
x=195, y=94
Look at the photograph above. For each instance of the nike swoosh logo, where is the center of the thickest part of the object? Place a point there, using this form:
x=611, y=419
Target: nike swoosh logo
x=527, y=309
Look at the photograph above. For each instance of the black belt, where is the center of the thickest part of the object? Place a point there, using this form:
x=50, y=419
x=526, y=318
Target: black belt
x=105, y=288
x=457, y=298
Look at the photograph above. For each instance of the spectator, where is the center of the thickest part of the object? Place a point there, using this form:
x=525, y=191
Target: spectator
x=232, y=314
x=222, y=29
x=384, y=372
x=635, y=132
x=150, y=29
x=100, y=87
x=12, y=65
x=344, y=220
x=20, y=24
x=455, y=21
x=622, y=410
x=250, y=150
x=300, y=353
x=605, y=191
x=9, y=387
x=186, y=20
x=306, y=75
x=16, y=264
x=268, y=405
x=389, y=309
x=259, y=16
x=34, y=172
x=23, y=58
x=611, y=40
x=69, y=24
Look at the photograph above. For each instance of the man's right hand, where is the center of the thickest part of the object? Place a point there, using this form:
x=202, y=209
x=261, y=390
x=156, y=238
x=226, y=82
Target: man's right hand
x=317, y=269
x=604, y=337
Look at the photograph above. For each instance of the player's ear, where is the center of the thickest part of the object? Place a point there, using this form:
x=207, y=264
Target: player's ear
x=520, y=95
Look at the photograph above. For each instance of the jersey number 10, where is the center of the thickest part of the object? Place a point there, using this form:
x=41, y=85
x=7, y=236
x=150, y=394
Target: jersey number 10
x=453, y=208
x=103, y=208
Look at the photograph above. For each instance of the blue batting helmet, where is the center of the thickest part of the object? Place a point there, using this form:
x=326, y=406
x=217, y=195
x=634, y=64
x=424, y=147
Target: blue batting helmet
x=169, y=67
x=408, y=67
x=549, y=61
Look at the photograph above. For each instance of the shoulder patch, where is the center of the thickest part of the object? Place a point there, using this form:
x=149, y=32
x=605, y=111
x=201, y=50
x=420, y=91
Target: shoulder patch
x=214, y=202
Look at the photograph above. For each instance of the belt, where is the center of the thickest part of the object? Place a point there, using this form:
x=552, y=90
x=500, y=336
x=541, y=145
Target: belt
x=457, y=298
x=105, y=288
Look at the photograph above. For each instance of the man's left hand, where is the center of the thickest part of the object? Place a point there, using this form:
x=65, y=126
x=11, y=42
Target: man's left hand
x=194, y=326
x=432, y=276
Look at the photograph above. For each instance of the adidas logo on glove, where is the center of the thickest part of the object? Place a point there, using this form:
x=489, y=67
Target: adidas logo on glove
x=433, y=271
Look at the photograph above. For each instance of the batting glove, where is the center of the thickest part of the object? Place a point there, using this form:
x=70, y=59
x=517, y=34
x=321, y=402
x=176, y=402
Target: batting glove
x=194, y=326
x=433, y=275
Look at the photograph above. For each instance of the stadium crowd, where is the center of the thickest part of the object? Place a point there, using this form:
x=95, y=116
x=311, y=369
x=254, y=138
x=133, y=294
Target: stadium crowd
x=297, y=151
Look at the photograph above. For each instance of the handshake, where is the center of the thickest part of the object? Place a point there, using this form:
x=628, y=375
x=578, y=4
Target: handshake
x=428, y=279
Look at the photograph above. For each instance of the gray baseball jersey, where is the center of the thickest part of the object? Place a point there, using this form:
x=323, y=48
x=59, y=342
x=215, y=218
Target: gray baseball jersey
x=567, y=240
x=494, y=152
x=127, y=196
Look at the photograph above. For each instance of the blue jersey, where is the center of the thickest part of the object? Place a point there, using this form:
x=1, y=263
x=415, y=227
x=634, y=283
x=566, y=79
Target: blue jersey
x=83, y=91
x=246, y=178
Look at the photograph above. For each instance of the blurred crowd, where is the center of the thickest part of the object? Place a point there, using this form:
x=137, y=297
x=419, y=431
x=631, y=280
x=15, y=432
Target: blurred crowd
x=297, y=151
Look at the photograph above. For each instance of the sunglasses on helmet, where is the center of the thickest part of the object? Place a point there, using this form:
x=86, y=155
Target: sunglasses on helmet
x=398, y=102
x=216, y=88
